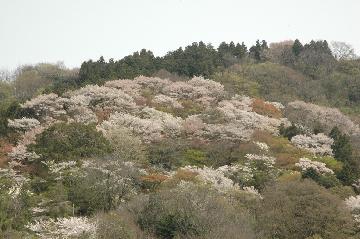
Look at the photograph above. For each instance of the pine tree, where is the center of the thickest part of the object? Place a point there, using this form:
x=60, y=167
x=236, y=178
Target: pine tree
x=343, y=152
x=297, y=47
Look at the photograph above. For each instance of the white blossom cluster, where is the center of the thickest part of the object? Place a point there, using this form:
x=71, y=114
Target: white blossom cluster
x=268, y=160
x=357, y=219
x=244, y=172
x=126, y=106
x=252, y=190
x=20, y=152
x=58, y=169
x=277, y=105
x=194, y=125
x=167, y=101
x=63, y=228
x=262, y=146
x=150, y=123
x=196, y=88
x=305, y=164
x=17, y=181
x=23, y=123
x=82, y=114
x=101, y=96
x=229, y=131
x=356, y=184
x=155, y=84
x=318, y=144
x=118, y=176
x=49, y=105
x=219, y=178
x=130, y=87
x=214, y=177
x=312, y=115
x=239, y=112
x=353, y=202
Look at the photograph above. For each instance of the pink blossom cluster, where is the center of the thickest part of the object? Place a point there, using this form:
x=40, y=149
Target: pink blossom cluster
x=119, y=99
x=20, y=152
x=312, y=115
x=130, y=87
x=155, y=84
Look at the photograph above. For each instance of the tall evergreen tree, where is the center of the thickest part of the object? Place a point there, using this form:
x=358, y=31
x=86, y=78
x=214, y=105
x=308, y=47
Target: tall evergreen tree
x=343, y=152
x=297, y=47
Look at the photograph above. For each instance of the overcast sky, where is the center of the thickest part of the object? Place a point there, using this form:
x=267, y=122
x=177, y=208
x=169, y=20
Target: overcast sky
x=72, y=31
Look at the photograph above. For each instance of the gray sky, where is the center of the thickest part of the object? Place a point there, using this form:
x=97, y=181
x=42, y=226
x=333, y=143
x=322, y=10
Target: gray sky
x=76, y=30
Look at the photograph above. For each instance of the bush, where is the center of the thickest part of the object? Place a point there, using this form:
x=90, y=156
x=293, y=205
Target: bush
x=191, y=212
x=62, y=142
x=125, y=146
x=11, y=110
x=115, y=225
x=235, y=83
x=302, y=209
x=102, y=185
x=14, y=212
x=167, y=154
x=261, y=107
x=330, y=162
x=343, y=152
x=290, y=131
x=327, y=180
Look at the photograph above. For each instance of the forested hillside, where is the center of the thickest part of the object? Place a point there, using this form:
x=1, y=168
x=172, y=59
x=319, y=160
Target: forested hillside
x=227, y=142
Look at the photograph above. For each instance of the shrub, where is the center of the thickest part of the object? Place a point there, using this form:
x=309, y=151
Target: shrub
x=314, y=117
x=166, y=154
x=325, y=180
x=302, y=209
x=62, y=142
x=290, y=131
x=102, y=185
x=114, y=225
x=343, y=152
x=152, y=181
x=261, y=107
x=330, y=162
x=235, y=83
x=194, y=157
x=285, y=153
x=125, y=146
x=276, y=82
x=14, y=212
x=192, y=212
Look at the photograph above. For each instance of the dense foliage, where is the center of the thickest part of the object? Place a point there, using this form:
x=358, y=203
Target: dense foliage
x=62, y=142
x=146, y=147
